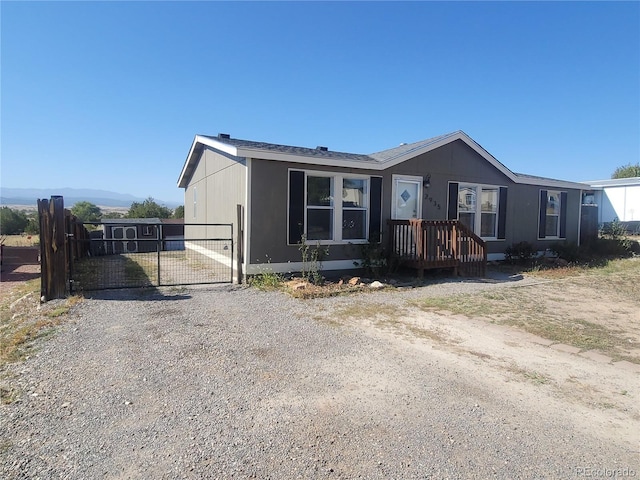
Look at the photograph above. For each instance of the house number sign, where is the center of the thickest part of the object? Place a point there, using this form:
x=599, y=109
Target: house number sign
x=432, y=201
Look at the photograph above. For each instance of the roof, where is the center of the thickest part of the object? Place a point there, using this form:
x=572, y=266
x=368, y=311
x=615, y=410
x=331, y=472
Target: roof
x=318, y=152
x=321, y=156
x=615, y=182
x=130, y=221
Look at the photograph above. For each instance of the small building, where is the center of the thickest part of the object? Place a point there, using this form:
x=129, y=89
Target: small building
x=347, y=200
x=617, y=199
x=140, y=235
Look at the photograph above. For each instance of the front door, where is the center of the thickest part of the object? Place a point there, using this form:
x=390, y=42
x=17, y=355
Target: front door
x=406, y=201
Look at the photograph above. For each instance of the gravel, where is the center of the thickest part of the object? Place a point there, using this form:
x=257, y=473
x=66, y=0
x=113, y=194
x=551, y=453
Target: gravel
x=222, y=382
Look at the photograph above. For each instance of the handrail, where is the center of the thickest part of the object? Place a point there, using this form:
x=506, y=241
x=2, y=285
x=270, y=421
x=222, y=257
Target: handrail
x=437, y=244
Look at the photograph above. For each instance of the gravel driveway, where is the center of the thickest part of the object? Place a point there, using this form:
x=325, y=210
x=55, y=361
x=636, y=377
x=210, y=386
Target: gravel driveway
x=223, y=382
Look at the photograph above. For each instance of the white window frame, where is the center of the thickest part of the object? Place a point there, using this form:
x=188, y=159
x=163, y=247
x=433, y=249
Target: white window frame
x=337, y=207
x=331, y=207
x=558, y=194
x=364, y=208
x=477, y=227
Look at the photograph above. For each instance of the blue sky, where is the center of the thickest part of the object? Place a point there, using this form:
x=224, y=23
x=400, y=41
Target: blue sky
x=110, y=95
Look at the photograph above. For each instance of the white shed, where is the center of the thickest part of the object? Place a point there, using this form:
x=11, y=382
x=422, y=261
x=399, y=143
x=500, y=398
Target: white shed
x=617, y=199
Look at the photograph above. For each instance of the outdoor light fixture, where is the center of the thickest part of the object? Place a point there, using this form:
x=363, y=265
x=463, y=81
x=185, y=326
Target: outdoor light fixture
x=426, y=182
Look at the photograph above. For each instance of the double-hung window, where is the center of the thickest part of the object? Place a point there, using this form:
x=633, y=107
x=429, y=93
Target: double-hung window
x=320, y=208
x=489, y=212
x=553, y=212
x=482, y=208
x=552, y=223
x=467, y=205
x=354, y=208
x=333, y=207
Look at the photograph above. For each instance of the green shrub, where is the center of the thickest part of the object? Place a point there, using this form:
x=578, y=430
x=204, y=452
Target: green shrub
x=266, y=280
x=610, y=247
x=522, y=252
x=568, y=251
x=614, y=240
x=312, y=259
x=613, y=230
x=374, y=259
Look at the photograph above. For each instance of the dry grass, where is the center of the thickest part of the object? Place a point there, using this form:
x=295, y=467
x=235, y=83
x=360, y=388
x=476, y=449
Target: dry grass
x=301, y=289
x=562, y=309
x=23, y=320
x=115, y=271
x=534, y=377
x=21, y=240
x=370, y=310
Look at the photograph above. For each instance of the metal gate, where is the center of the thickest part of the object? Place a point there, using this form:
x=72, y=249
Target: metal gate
x=133, y=253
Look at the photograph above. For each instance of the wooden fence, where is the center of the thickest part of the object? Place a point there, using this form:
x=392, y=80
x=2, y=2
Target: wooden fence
x=57, y=225
x=428, y=244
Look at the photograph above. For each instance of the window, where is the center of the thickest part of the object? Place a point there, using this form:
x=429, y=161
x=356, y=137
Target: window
x=552, y=223
x=148, y=230
x=354, y=208
x=319, y=208
x=489, y=212
x=332, y=207
x=467, y=206
x=485, y=217
x=553, y=211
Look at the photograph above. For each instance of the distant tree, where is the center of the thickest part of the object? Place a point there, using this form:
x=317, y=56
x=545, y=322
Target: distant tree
x=148, y=209
x=179, y=212
x=87, y=212
x=12, y=222
x=627, y=171
x=113, y=215
x=33, y=225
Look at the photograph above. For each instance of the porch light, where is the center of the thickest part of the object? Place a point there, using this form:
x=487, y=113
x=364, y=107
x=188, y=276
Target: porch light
x=426, y=182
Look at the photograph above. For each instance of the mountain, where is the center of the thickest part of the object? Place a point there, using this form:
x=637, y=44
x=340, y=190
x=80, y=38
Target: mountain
x=103, y=198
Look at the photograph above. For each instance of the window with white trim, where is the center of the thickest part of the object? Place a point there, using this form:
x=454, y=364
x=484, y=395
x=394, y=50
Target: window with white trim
x=320, y=211
x=467, y=205
x=552, y=217
x=336, y=207
x=489, y=212
x=480, y=216
x=354, y=208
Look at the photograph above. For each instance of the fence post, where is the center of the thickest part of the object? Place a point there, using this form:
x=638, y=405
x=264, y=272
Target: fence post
x=53, y=277
x=159, y=236
x=240, y=254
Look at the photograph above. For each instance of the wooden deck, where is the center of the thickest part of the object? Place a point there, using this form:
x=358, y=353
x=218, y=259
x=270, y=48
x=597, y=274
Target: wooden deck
x=428, y=244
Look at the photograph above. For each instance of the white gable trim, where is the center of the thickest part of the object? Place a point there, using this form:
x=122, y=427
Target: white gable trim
x=198, y=141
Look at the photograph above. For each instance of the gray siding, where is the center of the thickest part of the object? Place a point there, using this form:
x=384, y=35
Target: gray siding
x=268, y=222
x=454, y=162
x=220, y=185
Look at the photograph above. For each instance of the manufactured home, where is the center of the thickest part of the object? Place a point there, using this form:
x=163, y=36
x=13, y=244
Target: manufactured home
x=277, y=195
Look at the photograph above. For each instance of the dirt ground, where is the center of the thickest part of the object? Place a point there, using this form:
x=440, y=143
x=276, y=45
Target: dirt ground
x=13, y=275
x=601, y=389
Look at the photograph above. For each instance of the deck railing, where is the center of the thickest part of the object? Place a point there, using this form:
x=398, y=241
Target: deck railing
x=426, y=244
